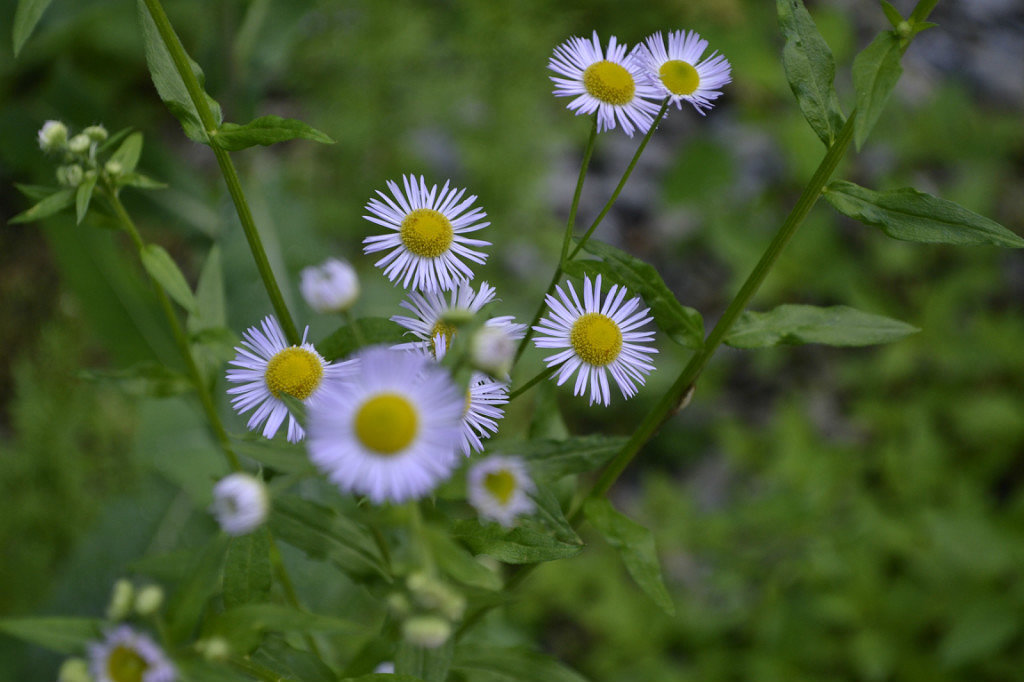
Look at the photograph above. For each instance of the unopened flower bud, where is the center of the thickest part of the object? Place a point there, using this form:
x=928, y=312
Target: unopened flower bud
x=149, y=600
x=79, y=144
x=74, y=175
x=96, y=133
x=399, y=605
x=113, y=167
x=385, y=668
x=53, y=136
x=214, y=648
x=904, y=29
x=429, y=632
x=240, y=503
x=120, y=606
x=331, y=287
x=492, y=350
x=74, y=670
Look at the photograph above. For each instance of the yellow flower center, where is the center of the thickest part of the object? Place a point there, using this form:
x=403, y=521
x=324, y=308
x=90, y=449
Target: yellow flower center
x=500, y=484
x=295, y=371
x=609, y=82
x=125, y=665
x=426, y=232
x=386, y=423
x=468, y=403
x=596, y=339
x=444, y=328
x=679, y=77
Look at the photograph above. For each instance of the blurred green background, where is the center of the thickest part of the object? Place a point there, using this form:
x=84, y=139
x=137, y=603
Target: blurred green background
x=821, y=514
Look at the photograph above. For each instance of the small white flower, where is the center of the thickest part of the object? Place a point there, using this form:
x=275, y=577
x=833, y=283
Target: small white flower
x=385, y=668
x=266, y=366
x=240, y=503
x=52, y=136
x=125, y=655
x=677, y=72
x=492, y=350
x=426, y=242
x=597, y=340
x=499, y=488
x=391, y=430
x=609, y=83
x=331, y=287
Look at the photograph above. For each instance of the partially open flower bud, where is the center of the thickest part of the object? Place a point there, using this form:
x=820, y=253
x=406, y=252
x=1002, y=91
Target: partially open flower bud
x=240, y=503
x=79, y=144
x=429, y=632
x=330, y=288
x=96, y=133
x=492, y=350
x=53, y=136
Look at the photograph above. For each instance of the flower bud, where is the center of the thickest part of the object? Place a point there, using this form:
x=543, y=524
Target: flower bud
x=96, y=133
x=399, y=605
x=148, y=600
x=214, y=648
x=74, y=670
x=904, y=30
x=429, y=632
x=240, y=503
x=492, y=350
x=385, y=668
x=53, y=136
x=113, y=168
x=79, y=144
x=120, y=606
x=330, y=288
x=74, y=175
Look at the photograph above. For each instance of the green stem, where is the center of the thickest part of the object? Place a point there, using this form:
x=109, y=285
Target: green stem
x=541, y=376
x=227, y=168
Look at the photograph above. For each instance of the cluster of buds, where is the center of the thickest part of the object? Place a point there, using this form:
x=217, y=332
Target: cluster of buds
x=428, y=610
x=77, y=152
x=127, y=600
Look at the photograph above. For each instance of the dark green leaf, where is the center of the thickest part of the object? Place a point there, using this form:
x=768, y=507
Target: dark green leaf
x=63, y=635
x=83, y=195
x=55, y=203
x=551, y=459
x=189, y=601
x=292, y=664
x=549, y=511
x=891, y=13
x=527, y=543
x=918, y=217
x=35, y=192
x=454, y=560
x=493, y=664
x=384, y=677
x=162, y=268
x=875, y=72
x=980, y=631
x=128, y=153
x=798, y=324
x=810, y=69
x=243, y=626
x=431, y=665
x=343, y=343
x=266, y=130
x=247, y=576
x=168, y=567
x=636, y=547
x=288, y=458
x=26, y=16
x=921, y=10
x=683, y=325
x=144, y=379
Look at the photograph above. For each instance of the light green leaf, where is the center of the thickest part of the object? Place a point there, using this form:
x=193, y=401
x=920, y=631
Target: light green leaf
x=243, y=626
x=26, y=16
x=162, y=268
x=551, y=459
x=527, y=543
x=35, y=192
x=810, y=70
x=247, y=576
x=63, y=635
x=636, y=547
x=914, y=216
x=211, y=309
x=891, y=13
x=683, y=325
x=454, y=560
x=139, y=181
x=343, y=341
x=798, y=324
x=431, y=665
x=482, y=663
x=875, y=72
x=83, y=195
x=128, y=153
x=55, y=203
x=266, y=130
x=113, y=140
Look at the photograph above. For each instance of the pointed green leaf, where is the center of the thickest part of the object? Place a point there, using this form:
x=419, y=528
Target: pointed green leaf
x=455, y=561
x=289, y=663
x=799, y=324
x=683, y=325
x=384, y=677
x=288, y=458
x=875, y=72
x=128, y=153
x=343, y=342
x=247, y=576
x=162, y=268
x=143, y=379
x=921, y=10
x=891, y=13
x=63, y=635
x=114, y=140
x=810, y=70
x=83, y=195
x=188, y=601
x=55, y=203
x=26, y=16
x=243, y=626
x=551, y=459
x=914, y=216
x=35, y=192
x=527, y=543
x=549, y=511
x=493, y=664
x=211, y=309
x=139, y=181
x=980, y=631
x=430, y=665
x=266, y=130
x=636, y=547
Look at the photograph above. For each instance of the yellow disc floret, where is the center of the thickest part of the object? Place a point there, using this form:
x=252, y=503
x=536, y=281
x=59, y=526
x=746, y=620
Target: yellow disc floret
x=446, y=329
x=426, y=233
x=501, y=484
x=386, y=423
x=609, y=82
x=295, y=371
x=679, y=77
x=596, y=339
x=125, y=665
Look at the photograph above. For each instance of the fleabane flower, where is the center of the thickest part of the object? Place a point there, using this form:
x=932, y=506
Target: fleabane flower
x=481, y=411
x=331, y=287
x=499, y=488
x=266, y=366
x=427, y=239
x=608, y=82
x=240, y=503
x=677, y=71
x=598, y=339
x=390, y=430
x=125, y=655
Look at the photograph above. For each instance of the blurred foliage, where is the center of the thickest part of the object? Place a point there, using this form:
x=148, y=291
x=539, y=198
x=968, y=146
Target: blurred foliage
x=820, y=513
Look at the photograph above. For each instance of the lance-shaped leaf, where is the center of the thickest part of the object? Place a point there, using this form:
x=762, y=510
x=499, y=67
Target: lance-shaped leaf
x=635, y=545
x=266, y=130
x=458, y=563
x=494, y=664
x=83, y=195
x=527, y=543
x=26, y=16
x=63, y=635
x=683, y=325
x=289, y=663
x=188, y=602
x=128, y=154
x=551, y=459
x=372, y=330
x=810, y=70
x=384, y=677
x=243, y=626
x=55, y=203
x=914, y=216
x=875, y=72
x=798, y=324
x=247, y=576
x=162, y=268
x=143, y=379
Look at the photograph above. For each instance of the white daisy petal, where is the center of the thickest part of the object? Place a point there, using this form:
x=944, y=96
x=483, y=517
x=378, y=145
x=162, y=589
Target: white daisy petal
x=679, y=73
x=499, y=488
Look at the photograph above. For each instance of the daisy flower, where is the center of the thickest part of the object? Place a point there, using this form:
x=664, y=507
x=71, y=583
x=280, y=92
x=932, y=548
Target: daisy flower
x=610, y=83
x=677, y=71
x=331, y=287
x=390, y=431
x=426, y=241
x=499, y=488
x=480, y=412
x=597, y=340
x=266, y=366
x=240, y=503
x=128, y=656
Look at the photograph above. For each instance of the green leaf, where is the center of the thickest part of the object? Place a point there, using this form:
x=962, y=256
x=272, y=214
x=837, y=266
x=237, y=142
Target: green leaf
x=343, y=343
x=528, y=543
x=552, y=459
x=26, y=16
x=113, y=140
x=211, y=309
x=482, y=663
x=243, y=626
x=143, y=379
x=798, y=324
x=683, y=325
x=203, y=581
x=139, y=181
x=162, y=268
x=63, y=635
x=431, y=665
x=169, y=84
x=83, y=195
x=875, y=72
x=35, y=192
x=810, y=70
x=247, y=575
x=266, y=130
x=891, y=13
x=55, y=203
x=980, y=632
x=550, y=512
x=288, y=458
x=636, y=547
x=128, y=153
x=290, y=663
x=454, y=560
x=914, y=216
x=384, y=677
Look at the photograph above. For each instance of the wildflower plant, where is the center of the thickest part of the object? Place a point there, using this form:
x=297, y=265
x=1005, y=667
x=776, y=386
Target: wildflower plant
x=410, y=481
